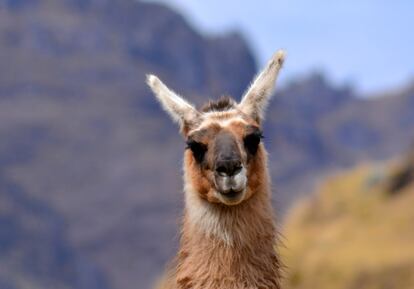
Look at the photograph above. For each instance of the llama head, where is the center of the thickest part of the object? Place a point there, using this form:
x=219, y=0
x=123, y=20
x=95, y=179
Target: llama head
x=225, y=159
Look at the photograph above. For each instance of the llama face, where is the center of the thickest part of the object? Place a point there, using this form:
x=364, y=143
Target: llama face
x=224, y=151
x=220, y=153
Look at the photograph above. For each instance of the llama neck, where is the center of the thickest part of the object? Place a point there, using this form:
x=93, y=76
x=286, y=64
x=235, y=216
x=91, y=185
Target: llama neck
x=228, y=247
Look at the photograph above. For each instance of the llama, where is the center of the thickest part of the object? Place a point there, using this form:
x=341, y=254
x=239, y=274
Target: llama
x=228, y=234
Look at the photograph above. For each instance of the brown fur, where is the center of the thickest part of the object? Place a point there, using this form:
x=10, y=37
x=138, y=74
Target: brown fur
x=249, y=261
x=222, y=104
x=228, y=235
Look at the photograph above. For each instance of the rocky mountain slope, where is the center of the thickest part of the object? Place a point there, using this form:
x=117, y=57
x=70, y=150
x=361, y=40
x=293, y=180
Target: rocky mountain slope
x=34, y=248
x=80, y=130
x=316, y=128
x=81, y=133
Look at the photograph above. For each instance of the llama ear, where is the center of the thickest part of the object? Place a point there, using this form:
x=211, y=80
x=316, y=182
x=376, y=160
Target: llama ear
x=182, y=112
x=255, y=100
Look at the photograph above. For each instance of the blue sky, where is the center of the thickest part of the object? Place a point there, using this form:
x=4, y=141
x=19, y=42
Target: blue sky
x=367, y=43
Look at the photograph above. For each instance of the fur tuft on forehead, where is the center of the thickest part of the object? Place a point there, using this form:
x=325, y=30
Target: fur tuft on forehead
x=224, y=103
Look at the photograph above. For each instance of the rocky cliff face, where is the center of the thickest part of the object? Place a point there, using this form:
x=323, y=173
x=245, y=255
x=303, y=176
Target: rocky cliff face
x=81, y=132
x=34, y=247
x=316, y=128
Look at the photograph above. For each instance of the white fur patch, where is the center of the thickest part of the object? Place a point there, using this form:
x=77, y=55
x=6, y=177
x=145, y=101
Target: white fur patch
x=207, y=217
x=239, y=181
x=219, y=118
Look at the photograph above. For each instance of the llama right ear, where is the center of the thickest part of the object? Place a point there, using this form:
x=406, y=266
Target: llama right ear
x=182, y=112
x=256, y=99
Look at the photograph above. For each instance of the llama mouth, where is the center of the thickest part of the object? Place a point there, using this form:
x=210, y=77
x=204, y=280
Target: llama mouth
x=231, y=197
x=231, y=194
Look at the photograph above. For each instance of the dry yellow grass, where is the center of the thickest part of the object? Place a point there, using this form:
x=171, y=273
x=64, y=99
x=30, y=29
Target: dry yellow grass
x=352, y=234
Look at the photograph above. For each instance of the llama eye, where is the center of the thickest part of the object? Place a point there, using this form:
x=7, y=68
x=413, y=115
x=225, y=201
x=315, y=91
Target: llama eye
x=251, y=142
x=198, y=149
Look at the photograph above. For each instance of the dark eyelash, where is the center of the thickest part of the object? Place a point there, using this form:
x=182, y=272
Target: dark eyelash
x=198, y=149
x=258, y=134
x=252, y=141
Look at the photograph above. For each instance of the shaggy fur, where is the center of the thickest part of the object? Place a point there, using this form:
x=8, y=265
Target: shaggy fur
x=229, y=247
x=225, y=244
x=223, y=104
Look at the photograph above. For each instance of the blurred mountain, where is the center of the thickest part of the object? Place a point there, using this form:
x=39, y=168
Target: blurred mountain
x=356, y=232
x=315, y=129
x=34, y=250
x=81, y=132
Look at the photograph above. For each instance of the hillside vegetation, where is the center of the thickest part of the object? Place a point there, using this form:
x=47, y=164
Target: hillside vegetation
x=356, y=233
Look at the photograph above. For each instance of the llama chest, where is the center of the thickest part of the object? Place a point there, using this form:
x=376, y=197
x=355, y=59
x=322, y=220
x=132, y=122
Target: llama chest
x=227, y=267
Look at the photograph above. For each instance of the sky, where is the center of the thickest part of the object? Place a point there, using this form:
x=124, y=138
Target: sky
x=366, y=43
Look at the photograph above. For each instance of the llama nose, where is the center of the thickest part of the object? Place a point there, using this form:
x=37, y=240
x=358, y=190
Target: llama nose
x=228, y=168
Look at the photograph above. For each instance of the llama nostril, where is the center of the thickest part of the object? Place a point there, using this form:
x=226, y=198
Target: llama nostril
x=228, y=168
x=222, y=171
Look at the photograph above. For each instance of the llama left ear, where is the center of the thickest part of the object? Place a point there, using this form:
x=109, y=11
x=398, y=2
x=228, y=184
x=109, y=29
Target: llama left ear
x=185, y=114
x=256, y=99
